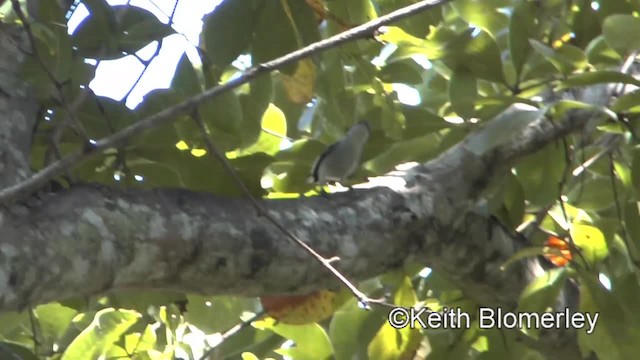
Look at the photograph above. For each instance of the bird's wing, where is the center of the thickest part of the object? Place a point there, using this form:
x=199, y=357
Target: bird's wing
x=314, y=177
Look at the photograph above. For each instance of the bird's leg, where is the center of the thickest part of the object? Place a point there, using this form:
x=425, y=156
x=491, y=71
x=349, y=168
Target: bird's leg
x=347, y=185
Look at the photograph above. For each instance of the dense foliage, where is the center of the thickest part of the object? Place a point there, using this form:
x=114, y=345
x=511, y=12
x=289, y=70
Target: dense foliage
x=463, y=62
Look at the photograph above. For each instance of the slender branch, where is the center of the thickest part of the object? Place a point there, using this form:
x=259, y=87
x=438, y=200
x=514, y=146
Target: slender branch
x=231, y=332
x=365, y=30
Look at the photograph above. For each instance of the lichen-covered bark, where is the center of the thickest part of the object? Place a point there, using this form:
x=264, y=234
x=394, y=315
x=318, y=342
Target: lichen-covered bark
x=17, y=109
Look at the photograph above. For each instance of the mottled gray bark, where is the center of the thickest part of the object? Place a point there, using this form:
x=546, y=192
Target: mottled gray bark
x=17, y=109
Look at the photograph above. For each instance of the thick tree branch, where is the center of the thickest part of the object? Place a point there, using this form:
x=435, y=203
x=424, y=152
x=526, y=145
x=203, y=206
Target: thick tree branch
x=366, y=30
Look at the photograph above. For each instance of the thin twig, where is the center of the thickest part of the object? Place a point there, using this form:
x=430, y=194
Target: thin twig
x=34, y=331
x=609, y=146
x=365, y=30
x=561, y=184
x=211, y=148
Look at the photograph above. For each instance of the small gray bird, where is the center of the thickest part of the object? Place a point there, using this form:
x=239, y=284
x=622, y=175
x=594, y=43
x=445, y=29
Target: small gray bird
x=340, y=160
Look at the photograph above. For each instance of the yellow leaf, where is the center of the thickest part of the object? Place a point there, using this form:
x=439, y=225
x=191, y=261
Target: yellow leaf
x=301, y=84
x=590, y=240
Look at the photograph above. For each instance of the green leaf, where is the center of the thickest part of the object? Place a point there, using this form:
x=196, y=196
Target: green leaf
x=101, y=116
x=418, y=149
x=168, y=166
x=274, y=129
x=351, y=13
x=614, y=336
x=463, y=90
x=165, y=135
x=521, y=254
x=52, y=36
x=480, y=54
x=599, y=53
x=621, y=33
x=213, y=314
x=420, y=121
x=53, y=320
x=311, y=340
x=139, y=342
x=542, y=293
x=560, y=109
x=627, y=291
x=355, y=12
x=185, y=80
x=352, y=329
x=106, y=328
x=303, y=20
x=138, y=28
x=598, y=77
x=229, y=17
x=632, y=224
x=566, y=59
x=594, y=193
x=540, y=174
x=391, y=343
x=483, y=14
x=635, y=168
x=223, y=117
x=55, y=60
x=97, y=35
x=629, y=102
x=12, y=351
x=409, y=45
x=507, y=202
x=12, y=320
x=521, y=28
x=276, y=34
x=404, y=71
x=624, y=174
x=254, y=108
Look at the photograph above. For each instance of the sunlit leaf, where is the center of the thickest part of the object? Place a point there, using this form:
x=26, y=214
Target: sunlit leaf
x=107, y=328
x=590, y=240
x=620, y=33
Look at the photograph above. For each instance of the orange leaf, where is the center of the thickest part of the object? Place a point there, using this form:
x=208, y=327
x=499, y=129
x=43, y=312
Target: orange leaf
x=557, y=251
x=300, y=309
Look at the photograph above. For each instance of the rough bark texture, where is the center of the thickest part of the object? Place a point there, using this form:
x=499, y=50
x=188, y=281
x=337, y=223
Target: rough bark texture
x=91, y=239
x=17, y=110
